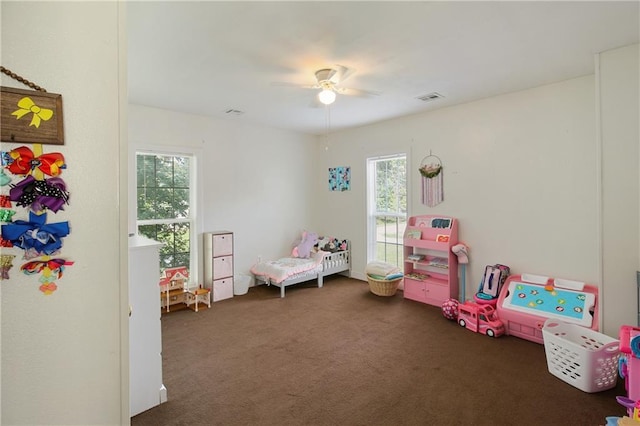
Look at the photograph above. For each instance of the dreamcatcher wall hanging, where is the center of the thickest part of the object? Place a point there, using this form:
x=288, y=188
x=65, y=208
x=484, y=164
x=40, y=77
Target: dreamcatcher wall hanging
x=431, y=172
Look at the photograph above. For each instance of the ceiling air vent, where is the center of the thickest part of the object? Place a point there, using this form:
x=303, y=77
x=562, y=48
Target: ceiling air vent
x=233, y=112
x=430, y=97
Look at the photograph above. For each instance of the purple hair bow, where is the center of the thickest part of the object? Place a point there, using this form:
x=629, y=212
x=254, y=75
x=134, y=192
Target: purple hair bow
x=40, y=194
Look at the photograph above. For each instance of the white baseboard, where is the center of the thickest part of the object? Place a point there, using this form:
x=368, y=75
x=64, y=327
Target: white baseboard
x=163, y=394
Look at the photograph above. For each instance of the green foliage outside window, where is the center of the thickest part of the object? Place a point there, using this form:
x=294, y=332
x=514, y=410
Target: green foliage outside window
x=391, y=186
x=163, y=201
x=390, y=208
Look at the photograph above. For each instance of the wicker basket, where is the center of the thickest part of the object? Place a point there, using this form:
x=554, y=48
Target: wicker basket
x=383, y=287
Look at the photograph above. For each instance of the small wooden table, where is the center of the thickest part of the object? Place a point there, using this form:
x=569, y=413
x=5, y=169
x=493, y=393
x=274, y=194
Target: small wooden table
x=197, y=297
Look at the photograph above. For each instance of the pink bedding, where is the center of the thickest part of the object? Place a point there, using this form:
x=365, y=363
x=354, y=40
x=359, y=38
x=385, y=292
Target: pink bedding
x=283, y=268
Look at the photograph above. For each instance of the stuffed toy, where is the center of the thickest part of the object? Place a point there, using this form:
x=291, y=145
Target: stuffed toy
x=322, y=242
x=303, y=249
x=332, y=244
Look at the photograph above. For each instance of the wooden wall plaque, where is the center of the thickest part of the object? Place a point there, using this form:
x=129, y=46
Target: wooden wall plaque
x=30, y=116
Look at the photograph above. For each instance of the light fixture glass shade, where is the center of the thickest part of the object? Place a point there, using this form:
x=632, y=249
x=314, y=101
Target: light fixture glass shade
x=327, y=96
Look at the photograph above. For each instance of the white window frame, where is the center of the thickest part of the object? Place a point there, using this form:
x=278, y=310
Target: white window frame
x=195, y=195
x=372, y=214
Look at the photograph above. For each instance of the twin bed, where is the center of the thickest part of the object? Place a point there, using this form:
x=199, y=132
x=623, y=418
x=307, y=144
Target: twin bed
x=288, y=271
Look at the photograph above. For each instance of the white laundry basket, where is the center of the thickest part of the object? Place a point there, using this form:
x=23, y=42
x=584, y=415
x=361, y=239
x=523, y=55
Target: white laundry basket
x=241, y=284
x=580, y=356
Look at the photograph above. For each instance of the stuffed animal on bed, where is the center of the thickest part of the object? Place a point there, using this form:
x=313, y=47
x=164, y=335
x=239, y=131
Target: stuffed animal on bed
x=303, y=249
x=332, y=244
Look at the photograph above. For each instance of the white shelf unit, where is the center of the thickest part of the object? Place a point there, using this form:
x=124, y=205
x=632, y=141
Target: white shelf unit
x=146, y=389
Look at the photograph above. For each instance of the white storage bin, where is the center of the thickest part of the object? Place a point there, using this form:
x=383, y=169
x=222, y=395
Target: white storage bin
x=580, y=356
x=241, y=284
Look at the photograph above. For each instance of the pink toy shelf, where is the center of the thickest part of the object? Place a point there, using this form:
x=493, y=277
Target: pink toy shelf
x=430, y=267
x=526, y=301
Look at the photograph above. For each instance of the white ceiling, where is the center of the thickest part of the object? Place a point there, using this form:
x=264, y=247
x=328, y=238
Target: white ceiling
x=210, y=57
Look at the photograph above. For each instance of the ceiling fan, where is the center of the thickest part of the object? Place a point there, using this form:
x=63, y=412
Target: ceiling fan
x=328, y=81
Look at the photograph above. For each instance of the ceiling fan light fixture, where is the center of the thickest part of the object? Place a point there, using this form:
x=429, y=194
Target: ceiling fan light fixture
x=327, y=96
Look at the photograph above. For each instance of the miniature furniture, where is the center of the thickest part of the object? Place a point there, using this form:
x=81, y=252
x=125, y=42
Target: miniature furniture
x=430, y=267
x=173, y=285
x=145, y=333
x=198, y=298
x=218, y=264
x=526, y=301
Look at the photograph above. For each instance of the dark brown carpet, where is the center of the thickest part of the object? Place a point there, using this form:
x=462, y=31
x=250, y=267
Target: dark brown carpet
x=340, y=355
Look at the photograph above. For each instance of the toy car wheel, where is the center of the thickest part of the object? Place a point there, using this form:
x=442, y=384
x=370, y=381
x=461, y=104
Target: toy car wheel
x=462, y=323
x=490, y=333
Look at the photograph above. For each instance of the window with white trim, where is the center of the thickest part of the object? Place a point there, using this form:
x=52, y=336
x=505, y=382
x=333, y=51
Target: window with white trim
x=165, y=205
x=386, y=207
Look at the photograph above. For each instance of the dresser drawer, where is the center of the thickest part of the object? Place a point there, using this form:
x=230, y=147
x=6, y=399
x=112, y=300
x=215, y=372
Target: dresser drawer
x=222, y=289
x=222, y=267
x=222, y=245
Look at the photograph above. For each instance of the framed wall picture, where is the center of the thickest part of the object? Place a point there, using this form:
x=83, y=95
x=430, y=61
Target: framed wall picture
x=339, y=178
x=29, y=116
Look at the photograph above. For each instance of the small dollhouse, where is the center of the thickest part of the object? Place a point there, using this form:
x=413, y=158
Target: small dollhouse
x=174, y=291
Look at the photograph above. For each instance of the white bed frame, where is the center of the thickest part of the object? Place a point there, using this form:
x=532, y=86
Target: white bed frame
x=332, y=263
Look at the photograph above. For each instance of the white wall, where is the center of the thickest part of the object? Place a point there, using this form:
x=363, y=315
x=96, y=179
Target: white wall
x=522, y=172
x=256, y=180
x=618, y=76
x=518, y=173
x=62, y=355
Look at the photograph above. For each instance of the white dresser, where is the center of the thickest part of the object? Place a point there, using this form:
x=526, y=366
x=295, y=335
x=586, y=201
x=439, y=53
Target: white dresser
x=146, y=389
x=218, y=264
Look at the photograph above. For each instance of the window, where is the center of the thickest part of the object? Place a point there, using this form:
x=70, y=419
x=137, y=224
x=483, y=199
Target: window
x=165, y=201
x=387, y=207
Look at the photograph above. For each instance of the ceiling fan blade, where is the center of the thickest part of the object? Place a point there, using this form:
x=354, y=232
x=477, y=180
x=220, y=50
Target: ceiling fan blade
x=302, y=86
x=341, y=74
x=356, y=92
